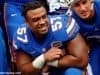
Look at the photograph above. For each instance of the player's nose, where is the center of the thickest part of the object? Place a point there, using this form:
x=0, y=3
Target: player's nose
x=42, y=21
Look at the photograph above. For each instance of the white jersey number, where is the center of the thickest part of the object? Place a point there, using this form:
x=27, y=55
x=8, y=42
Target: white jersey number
x=22, y=31
x=56, y=23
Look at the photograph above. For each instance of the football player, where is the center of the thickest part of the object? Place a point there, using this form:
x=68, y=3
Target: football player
x=87, y=15
x=49, y=44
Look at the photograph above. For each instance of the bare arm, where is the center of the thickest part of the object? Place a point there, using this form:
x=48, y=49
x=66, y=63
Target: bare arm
x=24, y=64
x=24, y=61
x=77, y=54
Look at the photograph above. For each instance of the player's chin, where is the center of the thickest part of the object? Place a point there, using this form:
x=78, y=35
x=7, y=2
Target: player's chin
x=43, y=32
x=85, y=17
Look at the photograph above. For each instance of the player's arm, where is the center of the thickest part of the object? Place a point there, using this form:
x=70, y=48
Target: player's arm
x=27, y=66
x=24, y=64
x=77, y=53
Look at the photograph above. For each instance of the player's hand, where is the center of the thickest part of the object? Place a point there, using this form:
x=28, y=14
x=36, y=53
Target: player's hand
x=53, y=53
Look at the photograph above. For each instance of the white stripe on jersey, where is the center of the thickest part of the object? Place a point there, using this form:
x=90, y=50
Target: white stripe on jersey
x=71, y=26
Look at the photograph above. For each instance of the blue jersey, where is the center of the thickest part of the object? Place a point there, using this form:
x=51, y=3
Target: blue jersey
x=91, y=30
x=62, y=29
x=4, y=67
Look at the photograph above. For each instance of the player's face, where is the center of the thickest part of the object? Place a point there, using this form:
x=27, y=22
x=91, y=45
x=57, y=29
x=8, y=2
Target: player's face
x=37, y=21
x=83, y=8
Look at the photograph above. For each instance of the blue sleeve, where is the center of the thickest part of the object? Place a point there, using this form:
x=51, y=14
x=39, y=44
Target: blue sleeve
x=63, y=27
x=72, y=28
x=20, y=37
x=22, y=42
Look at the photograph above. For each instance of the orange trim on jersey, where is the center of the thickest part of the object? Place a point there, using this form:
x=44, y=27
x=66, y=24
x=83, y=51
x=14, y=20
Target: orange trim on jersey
x=73, y=30
x=69, y=21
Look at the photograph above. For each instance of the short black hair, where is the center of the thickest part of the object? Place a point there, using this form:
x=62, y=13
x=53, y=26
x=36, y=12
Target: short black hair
x=31, y=6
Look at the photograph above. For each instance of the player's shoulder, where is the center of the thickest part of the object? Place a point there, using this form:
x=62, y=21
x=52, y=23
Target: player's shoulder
x=61, y=20
x=21, y=30
x=63, y=26
x=21, y=34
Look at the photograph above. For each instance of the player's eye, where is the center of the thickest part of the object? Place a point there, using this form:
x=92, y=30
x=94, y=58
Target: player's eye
x=35, y=19
x=44, y=16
